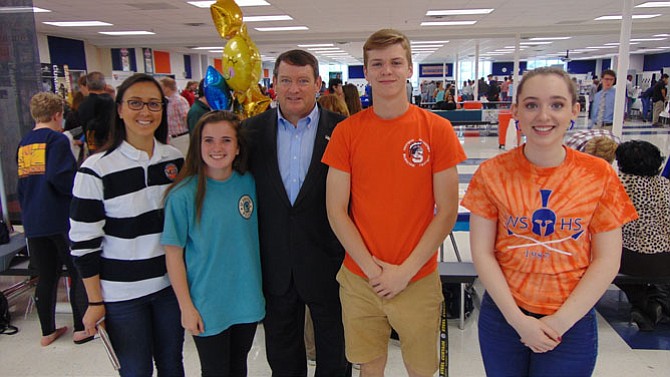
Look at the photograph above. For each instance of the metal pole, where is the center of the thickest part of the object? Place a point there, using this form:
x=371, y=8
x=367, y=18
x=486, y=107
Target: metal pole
x=622, y=67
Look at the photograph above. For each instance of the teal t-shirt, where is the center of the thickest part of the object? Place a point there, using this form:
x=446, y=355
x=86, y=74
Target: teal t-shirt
x=222, y=252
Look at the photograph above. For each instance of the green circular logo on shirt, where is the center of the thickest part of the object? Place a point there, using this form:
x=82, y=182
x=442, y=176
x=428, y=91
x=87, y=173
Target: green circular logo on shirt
x=245, y=206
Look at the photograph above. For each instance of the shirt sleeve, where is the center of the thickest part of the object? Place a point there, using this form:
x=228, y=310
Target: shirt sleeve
x=60, y=165
x=337, y=154
x=448, y=151
x=478, y=199
x=615, y=207
x=175, y=228
x=87, y=221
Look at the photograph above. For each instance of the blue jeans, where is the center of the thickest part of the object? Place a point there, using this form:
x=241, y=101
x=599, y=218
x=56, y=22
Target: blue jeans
x=505, y=355
x=144, y=329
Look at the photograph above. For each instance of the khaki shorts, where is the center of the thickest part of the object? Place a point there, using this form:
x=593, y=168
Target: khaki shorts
x=414, y=314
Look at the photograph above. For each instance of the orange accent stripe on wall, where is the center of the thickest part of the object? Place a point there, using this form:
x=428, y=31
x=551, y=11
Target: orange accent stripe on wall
x=162, y=62
x=218, y=64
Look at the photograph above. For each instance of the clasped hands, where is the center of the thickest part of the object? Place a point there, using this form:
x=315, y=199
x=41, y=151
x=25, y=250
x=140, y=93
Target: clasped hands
x=540, y=335
x=391, y=279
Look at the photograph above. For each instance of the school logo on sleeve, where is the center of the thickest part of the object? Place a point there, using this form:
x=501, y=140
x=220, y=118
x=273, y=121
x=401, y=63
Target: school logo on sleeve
x=245, y=206
x=171, y=170
x=416, y=153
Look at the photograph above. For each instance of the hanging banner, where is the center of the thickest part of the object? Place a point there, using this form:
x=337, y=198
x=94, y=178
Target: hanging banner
x=148, y=60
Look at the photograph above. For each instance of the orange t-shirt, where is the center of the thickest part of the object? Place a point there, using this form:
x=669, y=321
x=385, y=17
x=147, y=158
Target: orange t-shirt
x=545, y=220
x=391, y=163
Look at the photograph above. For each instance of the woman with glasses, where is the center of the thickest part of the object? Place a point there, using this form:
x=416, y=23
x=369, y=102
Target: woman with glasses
x=116, y=222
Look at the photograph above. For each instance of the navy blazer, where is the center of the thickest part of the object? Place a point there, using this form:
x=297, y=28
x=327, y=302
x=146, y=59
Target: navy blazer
x=296, y=240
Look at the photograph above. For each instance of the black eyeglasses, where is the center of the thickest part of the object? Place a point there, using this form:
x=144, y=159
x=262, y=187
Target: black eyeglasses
x=154, y=106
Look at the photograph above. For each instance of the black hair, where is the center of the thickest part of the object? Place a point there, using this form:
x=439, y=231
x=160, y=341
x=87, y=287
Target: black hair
x=639, y=157
x=118, y=132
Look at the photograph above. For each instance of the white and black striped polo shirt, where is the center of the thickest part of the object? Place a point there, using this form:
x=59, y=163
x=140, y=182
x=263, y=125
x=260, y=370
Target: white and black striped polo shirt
x=116, y=219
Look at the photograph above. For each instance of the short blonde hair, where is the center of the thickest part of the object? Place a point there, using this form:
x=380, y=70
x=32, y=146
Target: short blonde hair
x=44, y=105
x=603, y=147
x=169, y=83
x=384, y=38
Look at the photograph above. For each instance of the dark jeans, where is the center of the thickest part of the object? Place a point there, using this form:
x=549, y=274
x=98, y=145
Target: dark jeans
x=505, y=355
x=147, y=328
x=48, y=254
x=225, y=354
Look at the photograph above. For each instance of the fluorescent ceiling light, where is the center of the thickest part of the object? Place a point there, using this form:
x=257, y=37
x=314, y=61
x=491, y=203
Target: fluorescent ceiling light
x=549, y=38
x=137, y=32
x=78, y=23
x=242, y=3
x=457, y=12
x=23, y=10
x=535, y=43
x=635, y=17
x=324, y=49
x=646, y=39
x=216, y=51
x=318, y=45
x=601, y=47
x=662, y=35
x=617, y=43
x=521, y=47
x=282, y=28
x=447, y=23
x=427, y=42
x=282, y=17
x=424, y=49
x=206, y=48
x=654, y=4
x=584, y=50
x=422, y=46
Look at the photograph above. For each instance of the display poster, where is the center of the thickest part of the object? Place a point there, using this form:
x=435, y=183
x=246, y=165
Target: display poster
x=148, y=60
x=20, y=79
x=434, y=70
x=125, y=60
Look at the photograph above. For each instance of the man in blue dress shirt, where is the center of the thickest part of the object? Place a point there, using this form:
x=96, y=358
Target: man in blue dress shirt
x=603, y=103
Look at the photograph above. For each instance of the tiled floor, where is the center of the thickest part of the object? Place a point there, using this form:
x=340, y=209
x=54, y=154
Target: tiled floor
x=21, y=354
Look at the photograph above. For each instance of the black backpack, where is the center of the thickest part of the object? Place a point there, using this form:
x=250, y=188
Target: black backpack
x=5, y=318
x=4, y=232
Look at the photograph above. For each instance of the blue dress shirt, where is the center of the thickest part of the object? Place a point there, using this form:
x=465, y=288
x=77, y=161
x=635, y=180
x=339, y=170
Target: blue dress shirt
x=294, y=150
x=608, y=114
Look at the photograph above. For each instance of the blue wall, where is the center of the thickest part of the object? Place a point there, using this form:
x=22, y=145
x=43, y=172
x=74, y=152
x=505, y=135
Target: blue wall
x=656, y=62
x=506, y=68
x=356, y=72
x=582, y=66
x=607, y=64
x=67, y=51
x=187, y=67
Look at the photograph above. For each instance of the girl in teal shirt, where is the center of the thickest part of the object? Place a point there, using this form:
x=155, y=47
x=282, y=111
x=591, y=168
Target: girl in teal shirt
x=212, y=248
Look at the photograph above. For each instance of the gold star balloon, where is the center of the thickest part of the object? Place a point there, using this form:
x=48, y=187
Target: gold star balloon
x=241, y=60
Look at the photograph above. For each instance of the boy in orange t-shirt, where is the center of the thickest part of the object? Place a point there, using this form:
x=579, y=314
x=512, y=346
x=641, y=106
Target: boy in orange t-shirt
x=545, y=237
x=392, y=198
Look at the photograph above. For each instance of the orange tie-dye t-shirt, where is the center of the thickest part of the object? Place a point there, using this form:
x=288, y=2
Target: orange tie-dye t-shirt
x=545, y=220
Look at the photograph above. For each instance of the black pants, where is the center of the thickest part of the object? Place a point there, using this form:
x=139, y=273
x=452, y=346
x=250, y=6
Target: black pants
x=284, y=325
x=48, y=254
x=225, y=354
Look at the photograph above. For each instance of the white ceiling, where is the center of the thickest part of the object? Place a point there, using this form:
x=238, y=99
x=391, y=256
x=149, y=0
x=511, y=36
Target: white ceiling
x=347, y=23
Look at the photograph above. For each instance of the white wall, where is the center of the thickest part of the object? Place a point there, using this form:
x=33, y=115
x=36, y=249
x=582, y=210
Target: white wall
x=43, y=48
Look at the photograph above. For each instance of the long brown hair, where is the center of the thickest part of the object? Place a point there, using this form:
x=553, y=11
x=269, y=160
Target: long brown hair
x=194, y=166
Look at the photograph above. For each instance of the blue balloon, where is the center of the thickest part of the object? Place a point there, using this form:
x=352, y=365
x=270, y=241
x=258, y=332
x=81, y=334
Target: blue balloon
x=216, y=90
